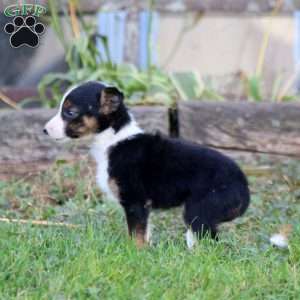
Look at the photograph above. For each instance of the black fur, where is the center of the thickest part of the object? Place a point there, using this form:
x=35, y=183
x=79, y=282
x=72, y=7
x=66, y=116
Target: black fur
x=152, y=172
x=162, y=173
x=86, y=100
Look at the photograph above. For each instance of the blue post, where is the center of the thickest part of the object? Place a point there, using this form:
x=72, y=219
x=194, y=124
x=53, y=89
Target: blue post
x=297, y=46
x=148, y=55
x=112, y=25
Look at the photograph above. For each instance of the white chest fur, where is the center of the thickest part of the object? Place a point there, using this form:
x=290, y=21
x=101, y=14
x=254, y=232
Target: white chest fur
x=103, y=141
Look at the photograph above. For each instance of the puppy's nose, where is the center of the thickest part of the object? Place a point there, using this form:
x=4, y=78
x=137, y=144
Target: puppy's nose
x=45, y=131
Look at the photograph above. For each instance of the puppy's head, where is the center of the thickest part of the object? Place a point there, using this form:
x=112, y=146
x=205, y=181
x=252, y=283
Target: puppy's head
x=85, y=109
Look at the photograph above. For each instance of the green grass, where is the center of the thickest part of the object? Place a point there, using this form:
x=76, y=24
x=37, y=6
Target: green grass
x=98, y=261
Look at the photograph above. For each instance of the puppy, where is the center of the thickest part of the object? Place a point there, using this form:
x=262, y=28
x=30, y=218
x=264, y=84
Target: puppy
x=144, y=171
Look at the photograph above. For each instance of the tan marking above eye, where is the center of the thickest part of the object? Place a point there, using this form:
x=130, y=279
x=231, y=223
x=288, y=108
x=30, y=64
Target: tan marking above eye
x=67, y=103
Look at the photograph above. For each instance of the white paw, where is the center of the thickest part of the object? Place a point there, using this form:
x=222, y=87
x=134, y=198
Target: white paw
x=190, y=239
x=148, y=234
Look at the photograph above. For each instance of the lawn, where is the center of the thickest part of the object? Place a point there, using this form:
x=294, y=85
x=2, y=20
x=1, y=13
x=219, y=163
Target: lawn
x=96, y=260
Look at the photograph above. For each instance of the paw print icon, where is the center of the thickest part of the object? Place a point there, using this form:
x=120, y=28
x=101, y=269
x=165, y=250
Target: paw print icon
x=24, y=31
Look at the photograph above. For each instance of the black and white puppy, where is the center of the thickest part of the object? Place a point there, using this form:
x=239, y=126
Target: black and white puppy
x=147, y=171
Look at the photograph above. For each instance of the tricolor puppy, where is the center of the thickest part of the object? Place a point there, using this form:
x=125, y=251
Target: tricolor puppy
x=147, y=171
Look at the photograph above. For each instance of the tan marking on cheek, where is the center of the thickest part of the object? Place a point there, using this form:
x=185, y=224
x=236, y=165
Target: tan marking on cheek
x=114, y=187
x=75, y=126
x=82, y=130
x=90, y=123
x=86, y=126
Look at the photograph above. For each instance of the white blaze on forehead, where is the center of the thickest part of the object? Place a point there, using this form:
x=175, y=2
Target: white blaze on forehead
x=56, y=126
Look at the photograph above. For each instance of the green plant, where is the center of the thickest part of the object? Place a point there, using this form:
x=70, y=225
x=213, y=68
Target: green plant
x=253, y=84
x=152, y=86
x=254, y=88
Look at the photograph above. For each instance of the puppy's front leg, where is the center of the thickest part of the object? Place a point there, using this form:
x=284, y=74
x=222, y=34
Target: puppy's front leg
x=137, y=221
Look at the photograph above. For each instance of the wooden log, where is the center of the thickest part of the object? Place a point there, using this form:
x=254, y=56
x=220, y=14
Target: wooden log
x=18, y=94
x=181, y=6
x=243, y=128
x=24, y=148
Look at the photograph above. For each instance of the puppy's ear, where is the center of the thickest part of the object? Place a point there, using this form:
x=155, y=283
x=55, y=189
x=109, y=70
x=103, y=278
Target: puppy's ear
x=110, y=100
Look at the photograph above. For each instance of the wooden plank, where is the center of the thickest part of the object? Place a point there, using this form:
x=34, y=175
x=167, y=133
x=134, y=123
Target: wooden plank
x=18, y=94
x=243, y=128
x=25, y=148
x=179, y=6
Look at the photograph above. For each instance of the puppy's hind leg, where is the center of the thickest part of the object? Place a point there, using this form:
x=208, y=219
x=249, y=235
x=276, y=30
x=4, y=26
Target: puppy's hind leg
x=193, y=234
x=198, y=224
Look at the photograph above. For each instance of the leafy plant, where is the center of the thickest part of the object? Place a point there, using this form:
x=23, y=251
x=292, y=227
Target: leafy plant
x=253, y=87
x=253, y=84
x=189, y=85
x=152, y=86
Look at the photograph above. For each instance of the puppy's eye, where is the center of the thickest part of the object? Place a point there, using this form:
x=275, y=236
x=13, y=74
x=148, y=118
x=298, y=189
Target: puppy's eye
x=70, y=114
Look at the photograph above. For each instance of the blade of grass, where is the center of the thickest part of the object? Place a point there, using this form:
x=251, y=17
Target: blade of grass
x=74, y=20
x=290, y=82
x=56, y=23
x=38, y=222
x=266, y=40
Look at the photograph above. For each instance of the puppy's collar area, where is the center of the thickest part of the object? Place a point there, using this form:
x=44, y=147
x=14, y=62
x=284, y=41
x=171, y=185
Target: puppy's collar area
x=110, y=137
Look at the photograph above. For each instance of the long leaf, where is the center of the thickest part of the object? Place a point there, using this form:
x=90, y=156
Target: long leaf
x=56, y=23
